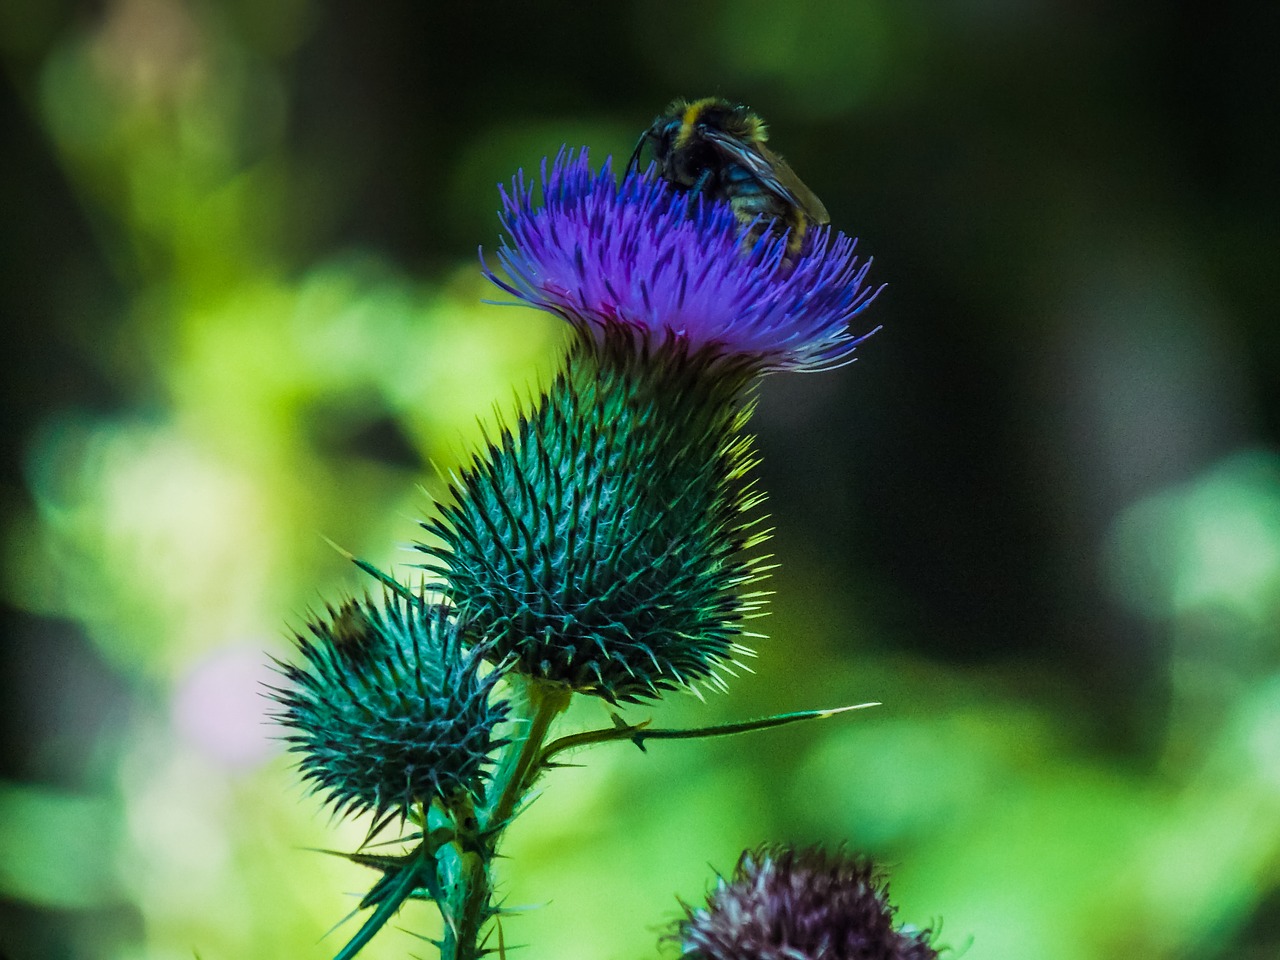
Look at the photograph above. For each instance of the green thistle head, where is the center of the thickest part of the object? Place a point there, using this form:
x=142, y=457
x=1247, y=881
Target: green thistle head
x=601, y=543
x=388, y=709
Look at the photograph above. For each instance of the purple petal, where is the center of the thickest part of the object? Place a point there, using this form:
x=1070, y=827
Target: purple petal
x=646, y=256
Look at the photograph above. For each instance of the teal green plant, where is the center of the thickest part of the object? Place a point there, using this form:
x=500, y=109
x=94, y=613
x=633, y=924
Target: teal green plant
x=621, y=520
x=390, y=710
x=604, y=544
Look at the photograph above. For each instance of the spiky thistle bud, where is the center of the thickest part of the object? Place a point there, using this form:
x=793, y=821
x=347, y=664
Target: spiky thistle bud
x=388, y=709
x=601, y=543
x=787, y=904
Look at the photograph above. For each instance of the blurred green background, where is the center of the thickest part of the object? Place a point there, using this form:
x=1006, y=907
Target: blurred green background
x=1039, y=518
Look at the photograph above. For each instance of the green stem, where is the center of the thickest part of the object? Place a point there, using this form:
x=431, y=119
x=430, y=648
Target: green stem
x=465, y=910
x=638, y=733
x=477, y=837
x=545, y=702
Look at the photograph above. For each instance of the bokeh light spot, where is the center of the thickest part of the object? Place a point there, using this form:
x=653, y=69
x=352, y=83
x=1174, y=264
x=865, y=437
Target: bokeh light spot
x=219, y=707
x=1212, y=542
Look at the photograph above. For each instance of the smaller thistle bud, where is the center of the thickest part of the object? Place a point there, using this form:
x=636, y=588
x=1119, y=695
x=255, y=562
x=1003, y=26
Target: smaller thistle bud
x=388, y=709
x=788, y=904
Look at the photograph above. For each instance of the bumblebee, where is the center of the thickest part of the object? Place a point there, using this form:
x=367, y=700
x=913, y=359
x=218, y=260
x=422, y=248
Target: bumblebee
x=716, y=148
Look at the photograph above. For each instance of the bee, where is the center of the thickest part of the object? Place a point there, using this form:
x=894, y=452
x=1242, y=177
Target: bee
x=716, y=148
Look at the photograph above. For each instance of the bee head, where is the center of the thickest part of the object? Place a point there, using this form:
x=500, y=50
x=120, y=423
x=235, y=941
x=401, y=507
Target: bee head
x=661, y=137
x=683, y=152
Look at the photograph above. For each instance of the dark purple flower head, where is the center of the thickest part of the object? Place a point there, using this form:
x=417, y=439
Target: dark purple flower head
x=788, y=904
x=644, y=256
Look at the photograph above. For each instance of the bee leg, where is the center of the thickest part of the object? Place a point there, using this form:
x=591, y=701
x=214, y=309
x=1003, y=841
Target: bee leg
x=634, y=163
x=700, y=182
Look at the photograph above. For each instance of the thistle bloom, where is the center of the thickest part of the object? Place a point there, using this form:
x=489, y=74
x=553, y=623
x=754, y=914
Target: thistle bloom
x=388, y=709
x=660, y=262
x=602, y=543
x=788, y=904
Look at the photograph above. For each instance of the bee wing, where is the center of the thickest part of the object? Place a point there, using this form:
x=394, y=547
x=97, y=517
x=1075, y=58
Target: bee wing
x=803, y=196
x=772, y=172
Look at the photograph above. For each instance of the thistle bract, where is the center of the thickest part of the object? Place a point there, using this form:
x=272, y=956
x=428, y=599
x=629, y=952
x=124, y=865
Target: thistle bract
x=647, y=257
x=601, y=543
x=387, y=709
x=788, y=904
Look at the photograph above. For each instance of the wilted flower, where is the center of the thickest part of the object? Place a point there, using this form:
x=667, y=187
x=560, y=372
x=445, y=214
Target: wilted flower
x=663, y=263
x=388, y=709
x=788, y=904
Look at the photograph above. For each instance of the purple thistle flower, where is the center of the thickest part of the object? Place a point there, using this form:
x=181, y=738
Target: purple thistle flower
x=646, y=257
